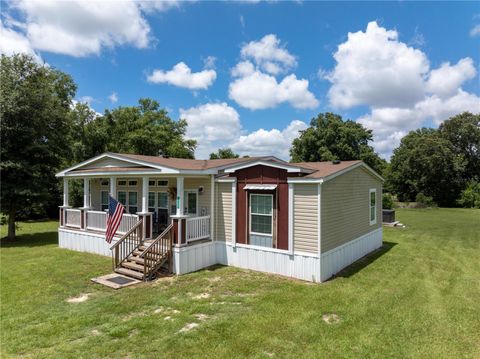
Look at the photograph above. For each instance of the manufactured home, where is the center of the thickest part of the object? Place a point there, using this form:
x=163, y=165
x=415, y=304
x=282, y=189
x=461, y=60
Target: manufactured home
x=304, y=220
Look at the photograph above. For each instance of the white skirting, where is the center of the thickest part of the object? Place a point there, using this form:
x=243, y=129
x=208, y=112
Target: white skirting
x=304, y=266
x=301, y=266
x=338, y=258
x=193, y=258
x=84, y=242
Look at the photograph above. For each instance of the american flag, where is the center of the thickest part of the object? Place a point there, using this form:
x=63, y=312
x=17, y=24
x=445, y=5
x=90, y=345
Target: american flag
x=115, y=212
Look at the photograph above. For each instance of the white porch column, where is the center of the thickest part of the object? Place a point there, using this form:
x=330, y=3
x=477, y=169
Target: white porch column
x=113, y=187
x=212, y=208
x=86, y=193
x=179, y=203
x=144, y=194
x=65, y=192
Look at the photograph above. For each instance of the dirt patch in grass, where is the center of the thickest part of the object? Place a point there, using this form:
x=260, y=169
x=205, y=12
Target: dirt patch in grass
x=331, y=318
x=79, y=299
x=96, y=332
x=201, y=296
x=201, y=317
x=188, y=327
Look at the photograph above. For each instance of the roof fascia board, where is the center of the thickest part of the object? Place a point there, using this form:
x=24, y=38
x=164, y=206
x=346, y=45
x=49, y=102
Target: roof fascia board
x=345, y=170
x=305, y=180
x=120, y=158
x=231, y=169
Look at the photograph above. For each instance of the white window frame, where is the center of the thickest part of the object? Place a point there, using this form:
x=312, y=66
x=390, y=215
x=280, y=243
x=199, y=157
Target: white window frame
x=259, y=214
x=103, y=184
x=127, y=199
x=374, y=221
x=185, y=200
x=163, y=185
x=157, y=203
x=101, y=203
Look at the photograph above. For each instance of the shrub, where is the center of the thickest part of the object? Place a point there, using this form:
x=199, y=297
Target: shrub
x=387, y=201
x=424, y=201
x=470, y=196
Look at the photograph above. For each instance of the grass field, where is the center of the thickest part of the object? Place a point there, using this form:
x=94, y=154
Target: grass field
x=419, y=296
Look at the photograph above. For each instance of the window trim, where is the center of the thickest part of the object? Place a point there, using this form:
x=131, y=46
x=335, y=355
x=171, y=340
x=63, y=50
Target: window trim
x=374, y=221
x=259, y=214
x=101, y=202
x=157, y=203
x=185, y=200
x=162, y=180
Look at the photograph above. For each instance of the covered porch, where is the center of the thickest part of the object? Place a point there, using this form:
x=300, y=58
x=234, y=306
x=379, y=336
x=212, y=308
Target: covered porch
x=184, y=202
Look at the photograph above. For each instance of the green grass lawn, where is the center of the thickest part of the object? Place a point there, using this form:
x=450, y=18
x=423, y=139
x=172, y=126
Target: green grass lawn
x=419, y=296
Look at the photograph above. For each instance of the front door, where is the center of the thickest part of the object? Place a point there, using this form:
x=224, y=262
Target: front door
x=158, y=205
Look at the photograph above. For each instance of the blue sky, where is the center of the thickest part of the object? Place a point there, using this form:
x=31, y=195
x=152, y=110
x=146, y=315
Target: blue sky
x=407, y=64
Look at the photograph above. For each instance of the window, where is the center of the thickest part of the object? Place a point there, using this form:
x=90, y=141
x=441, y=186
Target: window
x=122, y=197
x=132, y=202
x=104, y=182
x=162, y=183
x=151, y=183
x=122, y=183
x=151, y=201
x=104, y=200
x=373, y=206
x=190, y=202
x=261, y=214
x=163, y=200
x=132, y=183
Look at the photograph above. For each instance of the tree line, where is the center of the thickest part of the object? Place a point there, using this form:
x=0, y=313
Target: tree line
x=44, y=130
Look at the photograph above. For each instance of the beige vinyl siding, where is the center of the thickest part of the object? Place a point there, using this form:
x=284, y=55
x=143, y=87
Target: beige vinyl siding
x=305, y=218
x=204, y=199
x=95, y=197
x=223, y=212
x=345, y=207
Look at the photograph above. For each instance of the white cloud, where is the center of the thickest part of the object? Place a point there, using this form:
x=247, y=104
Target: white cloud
x=395, y=81
x=14, y=42
x=150, y=6
x=446, y=80
x=269, y=142
x=82, y=28
x=209, y=62
x=373, y=68
x=475, y=31
x=213, y=125
x=389, y=125
x=269, y=55
x=182, y=76
x=113, y=97
x=258, y=90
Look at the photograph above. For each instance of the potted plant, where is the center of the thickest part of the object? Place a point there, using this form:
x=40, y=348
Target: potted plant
x=388, y=213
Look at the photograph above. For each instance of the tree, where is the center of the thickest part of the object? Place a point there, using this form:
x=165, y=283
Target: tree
x=425, y=162
x=145, y=129
x=330, y=138
x=463, y=132
x=223, y=153
x=34, y=103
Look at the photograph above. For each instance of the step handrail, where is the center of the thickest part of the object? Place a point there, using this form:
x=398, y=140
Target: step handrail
x=127, y=244
x=159, y=237
x=122, y=238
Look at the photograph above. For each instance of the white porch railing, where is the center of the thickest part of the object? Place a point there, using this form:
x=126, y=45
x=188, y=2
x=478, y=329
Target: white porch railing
x=197, y=228
x=96, y=220
x=73, y=217
x=127, y=223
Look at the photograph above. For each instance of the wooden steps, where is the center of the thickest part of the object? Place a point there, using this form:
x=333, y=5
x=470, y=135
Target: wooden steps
x=129, y=273
x=127, y=260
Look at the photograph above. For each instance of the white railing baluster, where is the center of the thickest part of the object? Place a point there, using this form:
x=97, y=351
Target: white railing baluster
x=197, y=228
x=96, y=220
x=74, y=217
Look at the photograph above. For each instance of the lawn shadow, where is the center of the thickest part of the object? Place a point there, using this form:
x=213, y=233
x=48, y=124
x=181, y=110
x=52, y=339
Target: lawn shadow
x=31, y=240
x=357, y=266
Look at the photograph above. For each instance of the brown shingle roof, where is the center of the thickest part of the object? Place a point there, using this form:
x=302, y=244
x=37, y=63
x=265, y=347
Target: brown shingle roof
x=327, y=168
x=188, y=164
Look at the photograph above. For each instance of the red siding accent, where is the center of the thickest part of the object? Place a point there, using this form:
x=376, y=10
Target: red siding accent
x=262, y=175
